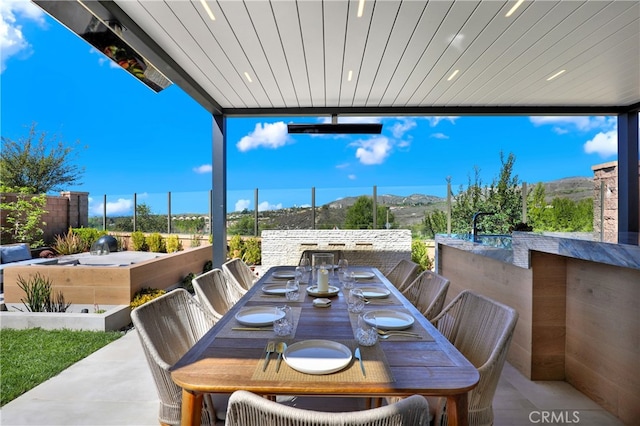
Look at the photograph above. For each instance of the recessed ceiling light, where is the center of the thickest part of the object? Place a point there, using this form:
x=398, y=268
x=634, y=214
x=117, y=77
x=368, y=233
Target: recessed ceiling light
x=246, y=74
x=208, y=10
x=360, y=8
x=555, y=75
x=513, y=9
x=453, y=74
x=350, y=76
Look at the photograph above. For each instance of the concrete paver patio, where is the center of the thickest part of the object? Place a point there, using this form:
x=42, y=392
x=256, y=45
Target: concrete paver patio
x=113, y=386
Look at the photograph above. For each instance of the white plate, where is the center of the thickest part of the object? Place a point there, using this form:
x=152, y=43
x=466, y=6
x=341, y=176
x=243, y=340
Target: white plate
x=363, y=275
x=313, y=290
x=258, y=315
x=387, y=319
x=375, y=292
x=287, y=275
x=279, y=289
x=317, y=356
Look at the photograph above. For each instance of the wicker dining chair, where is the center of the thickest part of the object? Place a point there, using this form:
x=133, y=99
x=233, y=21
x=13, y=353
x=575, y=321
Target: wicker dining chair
x=403, y=273
x=239, y=273
x=427, y=293
x=168, y=327
x=215, y=292
x=481, y=329
x=249, y=409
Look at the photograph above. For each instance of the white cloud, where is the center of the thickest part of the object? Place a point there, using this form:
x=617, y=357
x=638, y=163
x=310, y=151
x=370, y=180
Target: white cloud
x=241, y=205
x=122, y=206
x=352, y=177
x=402, y=126
x=582, y=123
x=373, y=151
x=268, y=135
x=434, y=121
x=604, y=144
x=438, y=136
x=266, y=206
x=12, y=41
x=205, y=168
x=342, y=166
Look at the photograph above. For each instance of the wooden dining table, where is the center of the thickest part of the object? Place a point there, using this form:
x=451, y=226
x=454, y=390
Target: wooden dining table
x=231, y=356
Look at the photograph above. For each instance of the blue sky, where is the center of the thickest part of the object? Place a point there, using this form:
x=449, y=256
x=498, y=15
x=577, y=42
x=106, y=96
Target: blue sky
x=132, y=140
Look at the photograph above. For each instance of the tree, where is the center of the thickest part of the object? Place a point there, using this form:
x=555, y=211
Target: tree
x=434, y=223
x=38, y=162
x=360, y=215
x=23, y=216
x=148, y=222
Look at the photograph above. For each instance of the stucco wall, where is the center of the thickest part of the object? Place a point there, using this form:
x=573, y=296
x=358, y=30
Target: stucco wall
x=380, y=248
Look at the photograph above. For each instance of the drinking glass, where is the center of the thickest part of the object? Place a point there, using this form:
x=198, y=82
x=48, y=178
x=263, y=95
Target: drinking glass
x=292, y=290
x=305, y=264
x=355, y=300
x=284, y=325
x=366, y=334
x=301, y=274
x=343, y=265
x=348, y=281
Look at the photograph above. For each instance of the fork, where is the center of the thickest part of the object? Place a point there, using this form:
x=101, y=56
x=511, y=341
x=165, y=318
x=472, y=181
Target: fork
x=396, y=332
x=412, y=336
x=280, y=348
x=271, y=346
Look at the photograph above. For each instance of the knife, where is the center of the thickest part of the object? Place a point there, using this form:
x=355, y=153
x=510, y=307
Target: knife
x=359, y=358
x=252, y=329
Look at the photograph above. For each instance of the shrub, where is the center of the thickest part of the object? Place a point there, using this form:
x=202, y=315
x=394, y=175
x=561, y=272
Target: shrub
x=38, y=295
x=145, y=295
x=187, y=283
x=236, y=247
x=156, y=243
x=88, y=236
x=23, y=216
x=195, y=240
x=420, y=256
x=252, y=251
x=69, y=243
x=208, y=266
x=173, y=244
x=138, y=241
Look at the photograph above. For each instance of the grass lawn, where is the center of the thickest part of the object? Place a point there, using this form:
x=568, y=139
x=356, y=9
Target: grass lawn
x=29, y=357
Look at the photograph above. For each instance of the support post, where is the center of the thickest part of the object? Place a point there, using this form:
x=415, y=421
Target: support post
x=628, y=185
x=219, y=185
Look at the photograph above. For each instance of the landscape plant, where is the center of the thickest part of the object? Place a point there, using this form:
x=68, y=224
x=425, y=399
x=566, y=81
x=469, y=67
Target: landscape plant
x=24, y=222
x=173, y=244
x=156, y=243
x=420, y=255
x=38, y=295
x=88, y=236
x=252, y=253
x=145, y=295
x=69, y=243
x=138, y=241
x=236, y=246
x=31, y=356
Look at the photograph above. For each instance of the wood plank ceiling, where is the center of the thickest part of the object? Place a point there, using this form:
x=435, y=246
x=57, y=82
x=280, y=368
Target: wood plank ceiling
x=290, y=56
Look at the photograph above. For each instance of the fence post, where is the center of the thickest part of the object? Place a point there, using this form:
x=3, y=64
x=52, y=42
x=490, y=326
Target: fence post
x=255, y=214
x=449, y=206
x=375, y=207
x=104, y=212
x=135, y=210
x=313, y=207
x=169, y=212
x=524, y=202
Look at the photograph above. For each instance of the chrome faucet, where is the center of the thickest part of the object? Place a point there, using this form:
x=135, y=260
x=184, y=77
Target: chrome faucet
x=474, y=231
